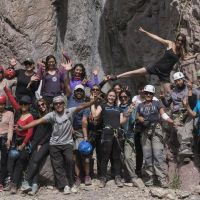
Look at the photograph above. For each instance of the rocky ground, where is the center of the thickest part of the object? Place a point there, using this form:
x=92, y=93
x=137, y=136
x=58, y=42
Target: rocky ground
x=110, y=192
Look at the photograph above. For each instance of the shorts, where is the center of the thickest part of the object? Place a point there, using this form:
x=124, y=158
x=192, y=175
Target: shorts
x=163, y=77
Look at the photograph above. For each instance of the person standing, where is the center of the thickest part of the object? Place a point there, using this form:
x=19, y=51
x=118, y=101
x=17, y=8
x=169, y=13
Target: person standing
x=61, y=141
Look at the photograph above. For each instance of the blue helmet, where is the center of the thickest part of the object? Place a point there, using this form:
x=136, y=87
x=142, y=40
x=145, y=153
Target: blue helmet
x=14, y=154
x=85, y=148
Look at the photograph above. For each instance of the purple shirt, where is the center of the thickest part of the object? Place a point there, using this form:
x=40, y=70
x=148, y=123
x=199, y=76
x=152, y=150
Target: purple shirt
x=90, y=83
x=52, y=85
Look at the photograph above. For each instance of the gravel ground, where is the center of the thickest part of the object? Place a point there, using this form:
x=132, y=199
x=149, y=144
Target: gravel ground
x=110, y=192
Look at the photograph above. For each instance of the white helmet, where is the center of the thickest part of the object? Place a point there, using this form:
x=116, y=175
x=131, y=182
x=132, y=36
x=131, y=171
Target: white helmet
x=178, y=75
x=149, y=88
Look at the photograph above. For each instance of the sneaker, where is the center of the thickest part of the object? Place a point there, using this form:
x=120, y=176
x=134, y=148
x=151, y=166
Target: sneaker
x=88, y=180
x=149, y=182
x=102, y=183
x=13, y=189
x=67, y=190
x=1, y=188
x=25, y=187
x=74, y=189
x=137, y=182
x=163, y=183
x=34, y=189
x=78, y=181
x=118, y=181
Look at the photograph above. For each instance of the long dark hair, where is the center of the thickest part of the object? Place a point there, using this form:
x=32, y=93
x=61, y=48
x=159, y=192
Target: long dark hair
x=183, y=50
x=47, y=105
x=47, y=60
x=127, y=92
x=83, y=75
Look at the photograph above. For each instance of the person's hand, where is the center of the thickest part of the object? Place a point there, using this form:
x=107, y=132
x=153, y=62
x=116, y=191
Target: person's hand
x=8, y=142
x=13, y=62
x=21, y=147
x=18, y=128
x=176, y=124
x=141, y=119
x=189, y=84
x=35, y=78
x=67, y=65
x=95, y=71
x=85, y=138
x=40, y=62
x=141, y=29
x=84, y=81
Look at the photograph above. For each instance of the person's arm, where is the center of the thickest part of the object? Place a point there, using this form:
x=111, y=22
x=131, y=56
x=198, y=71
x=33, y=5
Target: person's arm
x=106, y=79
x=85, y=127
x=168, y=43
x=12, y=99
x=67, y=84
x=166, y=101
x=187, y=57
x=10, y=130
x=32, y=124
x=94, y=80
x=192, y=113
x=84, y=105
x=165, y=116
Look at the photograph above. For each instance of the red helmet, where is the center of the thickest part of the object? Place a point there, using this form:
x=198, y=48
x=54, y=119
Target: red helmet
x=9, y=73
x=2, y=99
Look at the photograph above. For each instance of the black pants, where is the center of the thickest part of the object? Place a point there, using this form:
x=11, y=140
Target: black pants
x=139, y=152
x=19, y=166
x=95, y=138
x=62, y=162
x=37, y=160
x=4, y=158
x=110, y=149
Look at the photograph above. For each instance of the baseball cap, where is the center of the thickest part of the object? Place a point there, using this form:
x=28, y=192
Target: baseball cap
x=25, y=99
x=29, y=60
x=79, y=87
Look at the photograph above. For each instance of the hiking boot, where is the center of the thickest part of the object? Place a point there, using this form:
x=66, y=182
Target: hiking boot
x=67, y=190
x=118, y=181
x=34, y=189
x=88, y=180
x=102, y=183
x=137, y=182
x=77, y=181
x=74, y=189
x=13, y=189
x=1, y=188
x=25, y=187
x=163, y=183
x=149, y=182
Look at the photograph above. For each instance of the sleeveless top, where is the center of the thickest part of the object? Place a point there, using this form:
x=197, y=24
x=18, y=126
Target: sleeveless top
x=165, y=64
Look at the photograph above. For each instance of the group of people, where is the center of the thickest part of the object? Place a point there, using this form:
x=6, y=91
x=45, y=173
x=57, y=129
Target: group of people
x=47, y=111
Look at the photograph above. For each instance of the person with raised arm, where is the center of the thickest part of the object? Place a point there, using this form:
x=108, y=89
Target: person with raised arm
x=162, y=68
x=61, y=141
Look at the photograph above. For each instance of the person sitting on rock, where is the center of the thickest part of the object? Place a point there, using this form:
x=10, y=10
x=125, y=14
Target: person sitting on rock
x=162, y=68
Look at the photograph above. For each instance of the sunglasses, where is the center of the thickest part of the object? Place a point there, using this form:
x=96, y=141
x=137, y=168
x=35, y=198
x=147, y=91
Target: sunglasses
x=148, y=93
x=123, y=97
x=58, y=103
x=95, y=89
x=41, y=105
x=180, y=40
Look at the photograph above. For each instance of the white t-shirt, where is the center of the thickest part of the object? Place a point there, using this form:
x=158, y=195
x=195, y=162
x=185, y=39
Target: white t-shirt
x=137, y=99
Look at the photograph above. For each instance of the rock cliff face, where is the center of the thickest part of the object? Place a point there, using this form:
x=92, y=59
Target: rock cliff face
x=98, y=32
x=95, y=32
